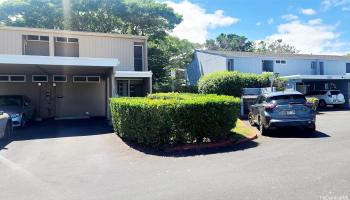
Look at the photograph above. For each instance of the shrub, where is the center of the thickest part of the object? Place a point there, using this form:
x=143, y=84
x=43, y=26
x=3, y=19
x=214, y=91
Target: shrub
x=314, y=102
x=232, y=83
x=164, y=119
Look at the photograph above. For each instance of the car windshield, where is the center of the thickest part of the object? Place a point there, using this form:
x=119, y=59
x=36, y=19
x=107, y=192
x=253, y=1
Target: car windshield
x=10, y=101
x=335, y=92
x=294, y=98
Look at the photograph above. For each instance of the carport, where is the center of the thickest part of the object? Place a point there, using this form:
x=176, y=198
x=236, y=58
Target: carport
x=307, y=83
x=60, y=87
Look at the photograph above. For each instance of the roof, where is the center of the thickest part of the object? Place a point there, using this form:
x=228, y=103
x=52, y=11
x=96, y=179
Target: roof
x=318, y=77
x=67, y=32
x=273, y=55
x=58, y=61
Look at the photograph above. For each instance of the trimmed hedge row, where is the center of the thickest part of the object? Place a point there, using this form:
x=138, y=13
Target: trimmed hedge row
x=165, y=119
x=232, y=83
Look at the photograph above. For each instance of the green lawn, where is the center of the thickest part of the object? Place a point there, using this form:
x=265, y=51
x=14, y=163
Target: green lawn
x=243, y=130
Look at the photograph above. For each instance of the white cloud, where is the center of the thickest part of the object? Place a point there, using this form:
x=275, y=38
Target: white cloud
x=317, y=21
x=258, y=23
x=312, y=37
x=327, y=4
x=197, y=22
x=289, y=17
x=307, y=11
x=1, y=1
x=270, y=20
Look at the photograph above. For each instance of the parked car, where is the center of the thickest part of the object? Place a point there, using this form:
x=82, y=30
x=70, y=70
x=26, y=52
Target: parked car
x=328, y=97
x=282, y=109
x=5, y=125
x=19, y=108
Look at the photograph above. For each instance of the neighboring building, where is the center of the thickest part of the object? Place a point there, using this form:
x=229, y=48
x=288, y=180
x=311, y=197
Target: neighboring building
x=70, y=74
x=305, y=72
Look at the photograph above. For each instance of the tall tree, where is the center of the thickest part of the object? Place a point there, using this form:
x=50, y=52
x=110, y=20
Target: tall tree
x=229, y=42
x=276, y=46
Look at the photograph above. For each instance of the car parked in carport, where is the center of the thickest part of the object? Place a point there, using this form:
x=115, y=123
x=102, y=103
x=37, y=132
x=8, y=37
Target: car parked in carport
x=18, y=107
x=328, y=97
x=282, y=109
x=5, y=125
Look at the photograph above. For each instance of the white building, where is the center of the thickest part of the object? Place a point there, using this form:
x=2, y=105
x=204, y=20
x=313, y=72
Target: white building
x=306, y=72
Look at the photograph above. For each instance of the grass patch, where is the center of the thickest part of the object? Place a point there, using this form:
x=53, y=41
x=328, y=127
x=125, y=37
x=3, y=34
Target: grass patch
x=242, y=130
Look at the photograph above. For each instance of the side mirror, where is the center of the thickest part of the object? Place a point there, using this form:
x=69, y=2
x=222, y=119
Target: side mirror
x=1, y=112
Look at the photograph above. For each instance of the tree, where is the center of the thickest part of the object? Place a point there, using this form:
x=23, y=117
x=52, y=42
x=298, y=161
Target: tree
x=173, y=53
x=276, y=46
x=138, y=17
x=229, y=42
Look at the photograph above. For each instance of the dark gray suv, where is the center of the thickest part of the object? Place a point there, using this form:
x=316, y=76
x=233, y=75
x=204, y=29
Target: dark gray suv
x=282, y=109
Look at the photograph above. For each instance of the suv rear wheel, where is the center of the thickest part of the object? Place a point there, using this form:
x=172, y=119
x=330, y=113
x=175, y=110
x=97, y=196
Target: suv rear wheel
x=262, y=129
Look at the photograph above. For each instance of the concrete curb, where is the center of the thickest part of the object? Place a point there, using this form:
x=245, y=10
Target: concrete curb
x=198, y=147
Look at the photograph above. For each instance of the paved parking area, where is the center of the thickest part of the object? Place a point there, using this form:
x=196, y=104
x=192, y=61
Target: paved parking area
x=84, y=160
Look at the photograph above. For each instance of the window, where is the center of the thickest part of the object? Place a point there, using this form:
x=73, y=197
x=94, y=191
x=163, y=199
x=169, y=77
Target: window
x=230, y=65
x=4, y=78
x=37, y=38
x=12, y=78
x=73, y=40
x=44, y=38
x=281, y=62
x=93, y=79
x=32, y=37
x=40, y=78
x=348, y=68
x=321, y=68
x=61, y=39
x=59, y=78
x=138, y=58
x=86, y=79
x=67, y=40
x=267, y=65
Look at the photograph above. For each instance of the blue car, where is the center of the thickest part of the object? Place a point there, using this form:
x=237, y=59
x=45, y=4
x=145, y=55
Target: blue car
x=282, y=110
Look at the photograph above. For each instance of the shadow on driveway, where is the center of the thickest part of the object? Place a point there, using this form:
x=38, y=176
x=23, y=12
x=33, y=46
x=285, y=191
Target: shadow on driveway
x=56, y=129
x=187, y=153
x=295, y=133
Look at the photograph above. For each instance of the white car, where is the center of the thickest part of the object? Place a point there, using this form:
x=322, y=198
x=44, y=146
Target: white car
x=5, y=125
x=328, y=97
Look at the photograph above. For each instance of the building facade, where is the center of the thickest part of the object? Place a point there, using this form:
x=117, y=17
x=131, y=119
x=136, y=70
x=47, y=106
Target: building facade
x=70, y=74
x=304, y=72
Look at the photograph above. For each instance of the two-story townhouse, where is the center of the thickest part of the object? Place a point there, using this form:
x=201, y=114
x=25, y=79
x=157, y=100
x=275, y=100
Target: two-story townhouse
x=305, y=72
x=69, y=74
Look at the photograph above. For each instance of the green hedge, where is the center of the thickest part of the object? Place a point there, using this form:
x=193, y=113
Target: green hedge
x=164, y=119
x=232, y=83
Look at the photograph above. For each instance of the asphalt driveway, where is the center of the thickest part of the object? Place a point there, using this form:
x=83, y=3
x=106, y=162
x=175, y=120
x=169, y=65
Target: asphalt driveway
x=83, y=160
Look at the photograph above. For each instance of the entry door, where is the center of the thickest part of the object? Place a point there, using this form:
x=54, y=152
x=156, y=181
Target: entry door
x=123, y=88
x=46, y=103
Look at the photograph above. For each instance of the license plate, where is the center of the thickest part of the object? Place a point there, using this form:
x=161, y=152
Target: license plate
x=290, y=112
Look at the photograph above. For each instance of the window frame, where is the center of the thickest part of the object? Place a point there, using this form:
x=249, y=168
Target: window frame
x=34, y=81
x=142, y=56
x=232, y=66
x=39, y=38
x=347, y=66
x=57, y=75
x=67, y=40
x=86, y=79
x=9, y=78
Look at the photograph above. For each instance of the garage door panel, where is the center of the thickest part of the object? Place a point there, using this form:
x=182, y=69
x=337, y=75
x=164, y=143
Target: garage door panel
x=80, y=99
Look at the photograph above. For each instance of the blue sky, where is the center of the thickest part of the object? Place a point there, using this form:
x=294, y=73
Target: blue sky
x=313, y=26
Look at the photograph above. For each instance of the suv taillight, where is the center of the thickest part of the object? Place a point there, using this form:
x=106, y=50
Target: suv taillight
x=269, y=106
